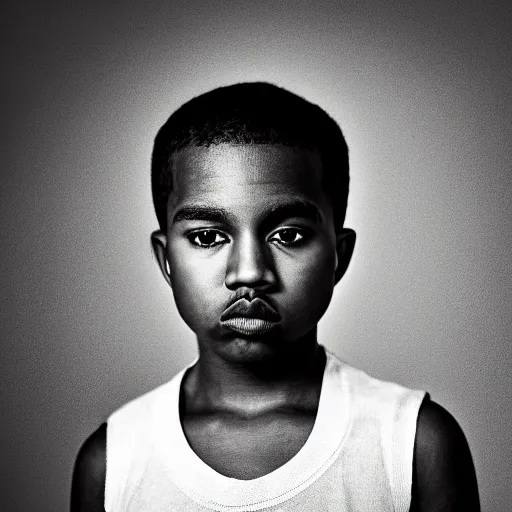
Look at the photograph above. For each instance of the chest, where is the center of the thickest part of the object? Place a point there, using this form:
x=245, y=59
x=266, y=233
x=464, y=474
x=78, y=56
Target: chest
x=247, y=448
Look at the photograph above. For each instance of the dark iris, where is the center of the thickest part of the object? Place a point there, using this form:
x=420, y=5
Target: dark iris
x=288, y=235
x=207, y=237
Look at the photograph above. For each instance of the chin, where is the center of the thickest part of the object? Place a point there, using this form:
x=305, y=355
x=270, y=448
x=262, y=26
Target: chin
x=238, y=348
x=244, y=350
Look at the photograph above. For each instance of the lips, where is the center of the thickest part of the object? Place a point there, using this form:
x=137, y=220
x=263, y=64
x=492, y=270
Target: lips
x=256, y=308
x=255, y=317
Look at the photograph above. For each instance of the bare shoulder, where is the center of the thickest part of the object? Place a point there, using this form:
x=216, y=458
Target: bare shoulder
x=88, y=486
x=444, y=478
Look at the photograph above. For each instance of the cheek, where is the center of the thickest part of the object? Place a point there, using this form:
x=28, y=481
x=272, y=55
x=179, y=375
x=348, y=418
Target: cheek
x=310, y=283
x=194, y=281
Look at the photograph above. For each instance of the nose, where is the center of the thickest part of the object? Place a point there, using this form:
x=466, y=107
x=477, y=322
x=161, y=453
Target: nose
x=250, y=264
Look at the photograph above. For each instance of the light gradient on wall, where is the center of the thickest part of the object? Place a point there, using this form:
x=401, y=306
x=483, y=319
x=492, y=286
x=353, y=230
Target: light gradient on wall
x=422, y=94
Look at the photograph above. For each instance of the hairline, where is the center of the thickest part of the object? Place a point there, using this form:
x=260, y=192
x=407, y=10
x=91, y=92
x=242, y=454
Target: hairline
x=172, y=169
x=189, y=126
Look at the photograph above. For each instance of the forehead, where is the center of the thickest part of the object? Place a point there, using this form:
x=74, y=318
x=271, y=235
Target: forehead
x=225, y=172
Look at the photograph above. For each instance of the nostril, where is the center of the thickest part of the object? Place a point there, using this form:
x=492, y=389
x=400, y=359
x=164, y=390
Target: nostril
x=249, y=274
x=249, y=278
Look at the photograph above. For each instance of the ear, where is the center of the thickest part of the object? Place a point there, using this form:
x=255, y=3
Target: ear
x=345, y=242
x=159, y=245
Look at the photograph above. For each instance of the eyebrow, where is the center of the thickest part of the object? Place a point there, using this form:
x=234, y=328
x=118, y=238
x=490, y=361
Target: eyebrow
x=200, y=212
x=298, y=208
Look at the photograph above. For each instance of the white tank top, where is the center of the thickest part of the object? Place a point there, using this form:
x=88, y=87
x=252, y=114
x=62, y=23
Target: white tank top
x=358, y=457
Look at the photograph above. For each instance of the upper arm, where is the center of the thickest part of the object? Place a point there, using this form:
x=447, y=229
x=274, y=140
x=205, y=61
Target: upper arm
x=88, y=486
x=444, y=477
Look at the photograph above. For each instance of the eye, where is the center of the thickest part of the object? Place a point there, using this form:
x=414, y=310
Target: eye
x=288, y=236
x=207, y=238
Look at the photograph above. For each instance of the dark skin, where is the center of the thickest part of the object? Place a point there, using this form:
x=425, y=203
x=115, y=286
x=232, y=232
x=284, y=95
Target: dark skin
x=228, y=231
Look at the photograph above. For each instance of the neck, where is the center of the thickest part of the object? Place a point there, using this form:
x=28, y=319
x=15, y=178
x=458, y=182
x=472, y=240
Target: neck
x=291, y=378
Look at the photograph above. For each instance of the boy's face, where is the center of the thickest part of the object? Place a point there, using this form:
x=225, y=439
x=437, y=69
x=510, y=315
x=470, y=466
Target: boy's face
x=251, y=247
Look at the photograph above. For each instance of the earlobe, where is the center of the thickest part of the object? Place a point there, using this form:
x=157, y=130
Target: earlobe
x=159, y=245
x=345, y=242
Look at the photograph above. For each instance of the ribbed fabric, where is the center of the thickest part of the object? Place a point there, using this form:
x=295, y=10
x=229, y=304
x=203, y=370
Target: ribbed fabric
x=358, y=456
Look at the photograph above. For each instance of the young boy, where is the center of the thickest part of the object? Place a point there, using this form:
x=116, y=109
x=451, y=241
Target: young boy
x=250, y=187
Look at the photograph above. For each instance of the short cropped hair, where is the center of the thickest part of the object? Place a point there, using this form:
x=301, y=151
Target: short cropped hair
x=252, y=113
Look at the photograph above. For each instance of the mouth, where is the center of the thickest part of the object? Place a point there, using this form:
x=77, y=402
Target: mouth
x=248, y=326
x=250, y=318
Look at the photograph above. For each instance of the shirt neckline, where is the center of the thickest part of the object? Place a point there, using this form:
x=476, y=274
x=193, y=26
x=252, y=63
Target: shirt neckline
x=218, y=492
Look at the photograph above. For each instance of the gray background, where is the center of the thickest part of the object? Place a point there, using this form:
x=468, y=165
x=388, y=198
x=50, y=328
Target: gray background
x=422, y=92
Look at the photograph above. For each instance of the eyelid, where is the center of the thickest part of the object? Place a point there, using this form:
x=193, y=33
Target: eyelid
x=305, y=233
x=200, y=229
x=196, y=231
x=302, y=229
